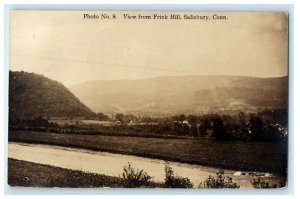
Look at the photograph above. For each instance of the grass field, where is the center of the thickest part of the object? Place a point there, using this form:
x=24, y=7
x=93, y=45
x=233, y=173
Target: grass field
x=255, y=156
x=22, y=173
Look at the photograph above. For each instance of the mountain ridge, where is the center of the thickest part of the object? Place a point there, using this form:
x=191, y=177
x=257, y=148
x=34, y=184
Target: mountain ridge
x=34, y=95
x=187, y=76
x=181, y=94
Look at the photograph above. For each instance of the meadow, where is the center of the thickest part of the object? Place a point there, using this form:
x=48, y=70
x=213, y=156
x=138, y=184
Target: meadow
x=252, y=156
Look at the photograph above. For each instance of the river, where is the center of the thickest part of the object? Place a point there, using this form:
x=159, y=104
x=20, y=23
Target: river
x=112, y=164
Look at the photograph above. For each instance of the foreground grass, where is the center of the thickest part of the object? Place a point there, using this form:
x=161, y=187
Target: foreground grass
x=255, y=156
x=27, y=174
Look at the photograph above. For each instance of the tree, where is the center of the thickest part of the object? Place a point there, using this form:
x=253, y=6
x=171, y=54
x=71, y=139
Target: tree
x=181, y=117
x=256, y=128
x=219, y=130
x=241, y=117
x=119, y=116
x=192, y=119
x=102, y=116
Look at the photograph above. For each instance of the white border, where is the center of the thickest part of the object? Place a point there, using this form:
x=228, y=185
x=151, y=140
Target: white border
x=295, y=83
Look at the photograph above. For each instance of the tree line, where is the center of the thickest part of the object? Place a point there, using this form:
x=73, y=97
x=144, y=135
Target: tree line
x=266, y=125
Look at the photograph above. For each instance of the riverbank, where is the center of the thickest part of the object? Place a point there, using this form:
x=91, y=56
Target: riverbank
x=253, y=156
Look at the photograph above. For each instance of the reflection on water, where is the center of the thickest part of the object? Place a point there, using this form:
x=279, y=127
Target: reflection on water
x=112, y=164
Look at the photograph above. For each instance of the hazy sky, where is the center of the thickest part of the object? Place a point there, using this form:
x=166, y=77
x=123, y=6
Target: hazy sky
x=65, y=47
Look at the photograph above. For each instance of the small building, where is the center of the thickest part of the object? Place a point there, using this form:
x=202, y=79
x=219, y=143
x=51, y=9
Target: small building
x=185, y=122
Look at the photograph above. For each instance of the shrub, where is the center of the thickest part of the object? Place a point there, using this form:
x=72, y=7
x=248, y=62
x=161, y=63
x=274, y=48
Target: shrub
x=175, y=181
x=259, y=183
x=220, y=182
x=134, y=178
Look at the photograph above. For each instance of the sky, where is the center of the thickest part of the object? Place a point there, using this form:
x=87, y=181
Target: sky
x=65, y=47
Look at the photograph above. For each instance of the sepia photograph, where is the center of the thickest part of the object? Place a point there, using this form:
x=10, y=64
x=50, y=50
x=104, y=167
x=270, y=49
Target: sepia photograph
x=148, y=99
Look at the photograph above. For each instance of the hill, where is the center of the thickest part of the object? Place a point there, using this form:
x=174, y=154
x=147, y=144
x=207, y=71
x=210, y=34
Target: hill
x=184, y=94
x=33, y=95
